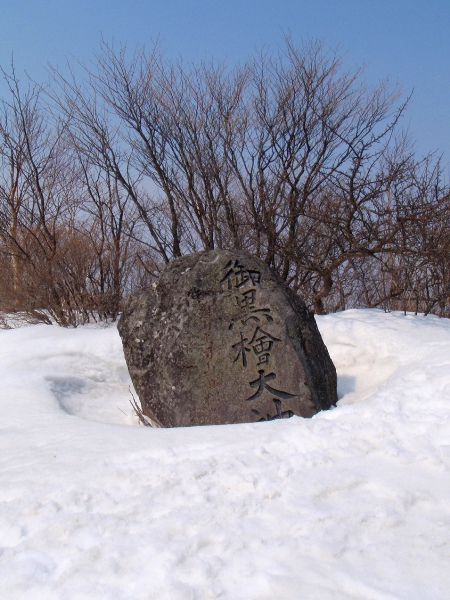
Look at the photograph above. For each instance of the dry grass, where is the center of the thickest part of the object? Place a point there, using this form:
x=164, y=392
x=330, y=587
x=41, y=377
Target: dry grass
x=143, y=419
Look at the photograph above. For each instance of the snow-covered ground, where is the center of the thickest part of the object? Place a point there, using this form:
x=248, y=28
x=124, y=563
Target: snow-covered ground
x=352, y=504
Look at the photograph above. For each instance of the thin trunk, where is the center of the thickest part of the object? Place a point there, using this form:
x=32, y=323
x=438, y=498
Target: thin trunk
x=327, y=284
x=15, y=261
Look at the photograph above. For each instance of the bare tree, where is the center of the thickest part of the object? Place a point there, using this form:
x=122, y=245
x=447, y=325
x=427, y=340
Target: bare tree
x=18, y=128
x=35, y=182
x=315, y=162
x=288, y=157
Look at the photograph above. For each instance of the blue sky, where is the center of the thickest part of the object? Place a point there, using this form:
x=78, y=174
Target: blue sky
x=407, y=41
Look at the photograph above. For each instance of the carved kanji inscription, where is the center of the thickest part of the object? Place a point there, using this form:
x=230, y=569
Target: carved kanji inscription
x=218, y=338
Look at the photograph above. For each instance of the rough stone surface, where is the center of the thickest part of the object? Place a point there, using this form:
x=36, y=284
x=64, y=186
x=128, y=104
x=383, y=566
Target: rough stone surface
x=219, y=338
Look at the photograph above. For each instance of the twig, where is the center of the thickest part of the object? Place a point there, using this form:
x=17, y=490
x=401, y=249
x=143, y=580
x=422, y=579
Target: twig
x=143, y=419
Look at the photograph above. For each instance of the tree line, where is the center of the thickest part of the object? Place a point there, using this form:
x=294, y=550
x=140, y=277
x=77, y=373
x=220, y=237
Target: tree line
x=107, y=176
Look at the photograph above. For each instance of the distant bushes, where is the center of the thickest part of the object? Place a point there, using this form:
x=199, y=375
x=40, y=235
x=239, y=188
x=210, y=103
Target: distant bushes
x=289, y=157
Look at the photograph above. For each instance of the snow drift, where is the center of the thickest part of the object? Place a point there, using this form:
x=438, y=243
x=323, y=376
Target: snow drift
x=352, y=504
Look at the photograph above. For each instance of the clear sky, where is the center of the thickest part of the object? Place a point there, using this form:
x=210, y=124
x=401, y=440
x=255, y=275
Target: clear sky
x=407, y=41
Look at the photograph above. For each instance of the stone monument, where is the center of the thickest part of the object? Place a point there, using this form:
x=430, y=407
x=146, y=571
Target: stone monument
x=219, y=338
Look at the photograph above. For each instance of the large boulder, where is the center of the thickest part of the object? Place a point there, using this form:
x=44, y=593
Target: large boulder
x=219, y=338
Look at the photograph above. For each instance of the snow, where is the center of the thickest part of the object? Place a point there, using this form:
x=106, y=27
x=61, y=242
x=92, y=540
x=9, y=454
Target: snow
x=352, y=504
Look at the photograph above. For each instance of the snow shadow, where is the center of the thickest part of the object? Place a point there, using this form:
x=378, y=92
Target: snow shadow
x=66, y=389
x=346, y=384
x=92, y=399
